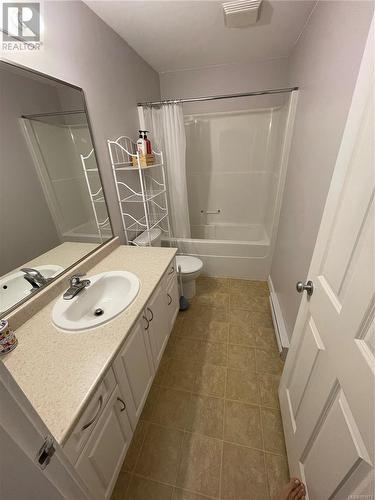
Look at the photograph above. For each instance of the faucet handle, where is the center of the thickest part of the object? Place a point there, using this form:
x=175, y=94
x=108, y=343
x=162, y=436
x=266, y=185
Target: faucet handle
x=75, y=278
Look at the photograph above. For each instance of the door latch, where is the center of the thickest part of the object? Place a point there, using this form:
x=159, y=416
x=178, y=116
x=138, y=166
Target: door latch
x=46, y=452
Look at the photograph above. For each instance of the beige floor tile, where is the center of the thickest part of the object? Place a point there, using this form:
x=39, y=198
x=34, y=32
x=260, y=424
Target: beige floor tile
x=243, y=474
x=206, y=415
x=241, y=357
x=266, y=339
x=160, y=454
x=277, y=473
x=210, y=380
x=172, y=408
x=213, y=353
x=181, y=374
x=268, y=386
x=241, y=317
x=238, y=334
x=272, y=430
x=206, y=313
x=150, y=403
x=213, y=331
x=262, y=319
x=205, y=285
x=242, y=386
x=180, y=494
x=249, y=302
x=181, y=348
x=212, y=299
x=162, y=370
x=268, y=362
x=135, y=446
x=146, y=489
x=259, y=288
x=121, y=486
x=242, y=424
x=200, y=464
x=198, y=350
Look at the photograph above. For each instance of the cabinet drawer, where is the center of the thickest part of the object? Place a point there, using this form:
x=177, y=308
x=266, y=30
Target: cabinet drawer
x=85, y=425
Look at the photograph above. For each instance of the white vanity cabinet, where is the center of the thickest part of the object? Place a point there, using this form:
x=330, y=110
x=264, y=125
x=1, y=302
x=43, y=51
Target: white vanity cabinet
x=134, y=370
x=104, y=453
x=155, y=317
x=99, y=442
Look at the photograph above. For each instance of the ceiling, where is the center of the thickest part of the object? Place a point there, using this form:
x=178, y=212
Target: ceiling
x=175, y=35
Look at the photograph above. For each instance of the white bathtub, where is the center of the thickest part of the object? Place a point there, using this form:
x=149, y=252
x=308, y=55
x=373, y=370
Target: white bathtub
x=232, y=250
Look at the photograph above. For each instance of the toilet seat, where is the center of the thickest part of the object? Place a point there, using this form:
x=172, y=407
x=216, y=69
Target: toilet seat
x=189, y=265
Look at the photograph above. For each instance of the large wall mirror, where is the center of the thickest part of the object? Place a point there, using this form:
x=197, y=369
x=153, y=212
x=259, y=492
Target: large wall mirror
x=52, y=205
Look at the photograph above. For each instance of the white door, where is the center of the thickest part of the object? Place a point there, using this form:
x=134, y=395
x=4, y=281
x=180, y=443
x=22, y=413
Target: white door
x=22, y=434
x=327, y=387
x=134, y=371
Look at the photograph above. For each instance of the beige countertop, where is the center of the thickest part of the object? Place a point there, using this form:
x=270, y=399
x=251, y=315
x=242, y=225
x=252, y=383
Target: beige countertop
x=58, y=371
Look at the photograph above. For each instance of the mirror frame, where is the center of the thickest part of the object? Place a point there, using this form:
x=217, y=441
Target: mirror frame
x=67, y=269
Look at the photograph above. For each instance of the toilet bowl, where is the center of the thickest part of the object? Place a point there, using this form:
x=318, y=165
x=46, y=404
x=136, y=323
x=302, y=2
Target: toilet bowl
x=191, y=268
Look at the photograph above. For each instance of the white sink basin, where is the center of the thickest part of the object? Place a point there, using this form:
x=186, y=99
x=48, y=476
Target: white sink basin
x=14, y=287
x=107, y=296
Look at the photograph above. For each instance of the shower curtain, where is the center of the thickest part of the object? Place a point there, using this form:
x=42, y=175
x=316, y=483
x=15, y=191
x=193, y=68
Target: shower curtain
x=166, y=124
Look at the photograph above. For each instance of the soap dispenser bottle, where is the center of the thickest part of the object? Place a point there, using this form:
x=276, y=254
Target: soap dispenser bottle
x=148, y=142
x=141, y=144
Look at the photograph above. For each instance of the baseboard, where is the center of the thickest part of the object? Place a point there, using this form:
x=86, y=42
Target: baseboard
x=282, y=338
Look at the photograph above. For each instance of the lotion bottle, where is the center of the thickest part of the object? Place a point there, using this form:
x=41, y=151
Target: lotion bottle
x=141, y=144
x=148, y=142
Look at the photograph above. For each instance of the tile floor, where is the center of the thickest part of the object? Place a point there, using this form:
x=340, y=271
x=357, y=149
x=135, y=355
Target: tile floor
x=211, y=425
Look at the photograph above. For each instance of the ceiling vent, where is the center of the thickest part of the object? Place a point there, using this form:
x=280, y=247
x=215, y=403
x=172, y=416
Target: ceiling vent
x=241, y=13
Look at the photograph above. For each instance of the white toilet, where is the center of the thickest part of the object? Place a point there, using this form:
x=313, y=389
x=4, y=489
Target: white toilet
x=191, y=268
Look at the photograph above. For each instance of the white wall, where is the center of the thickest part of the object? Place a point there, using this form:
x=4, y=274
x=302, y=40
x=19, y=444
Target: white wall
x=81, y=49
x=226, y=79
x=324, y=64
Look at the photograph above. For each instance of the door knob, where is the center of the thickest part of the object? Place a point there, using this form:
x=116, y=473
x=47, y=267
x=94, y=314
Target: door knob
x=309, y=287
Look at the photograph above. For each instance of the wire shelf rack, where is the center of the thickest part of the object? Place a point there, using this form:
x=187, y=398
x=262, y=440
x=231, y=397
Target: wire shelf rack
x=142, y=197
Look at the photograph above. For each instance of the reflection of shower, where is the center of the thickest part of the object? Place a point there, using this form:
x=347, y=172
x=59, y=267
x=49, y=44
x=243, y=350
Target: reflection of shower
x=56, y=142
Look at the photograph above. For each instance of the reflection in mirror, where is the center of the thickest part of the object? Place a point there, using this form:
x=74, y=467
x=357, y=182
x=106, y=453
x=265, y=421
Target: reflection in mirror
x=52, y=206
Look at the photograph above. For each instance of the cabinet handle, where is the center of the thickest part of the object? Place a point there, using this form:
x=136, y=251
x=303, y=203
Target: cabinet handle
x=170, y=300
x=148, y=323
x=152, y=314
x=95, y=416
x=171, y=271
x=123, y=404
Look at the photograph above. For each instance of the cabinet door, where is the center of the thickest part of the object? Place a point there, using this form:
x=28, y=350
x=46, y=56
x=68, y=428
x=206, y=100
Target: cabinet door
x=158, y=328
x=173, y=302
x=102, y=457
x=134, y=370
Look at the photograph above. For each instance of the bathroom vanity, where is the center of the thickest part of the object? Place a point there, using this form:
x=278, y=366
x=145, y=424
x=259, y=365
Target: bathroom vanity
x=90, y=386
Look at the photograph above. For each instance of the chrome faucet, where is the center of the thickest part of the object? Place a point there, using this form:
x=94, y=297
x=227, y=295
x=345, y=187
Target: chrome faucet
x=34, y=277
x=76, y=285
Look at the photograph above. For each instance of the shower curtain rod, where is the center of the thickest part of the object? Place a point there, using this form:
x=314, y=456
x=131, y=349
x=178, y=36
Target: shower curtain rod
x=215, y=97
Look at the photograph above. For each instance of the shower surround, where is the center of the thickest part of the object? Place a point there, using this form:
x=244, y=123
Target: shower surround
x=235, y=166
